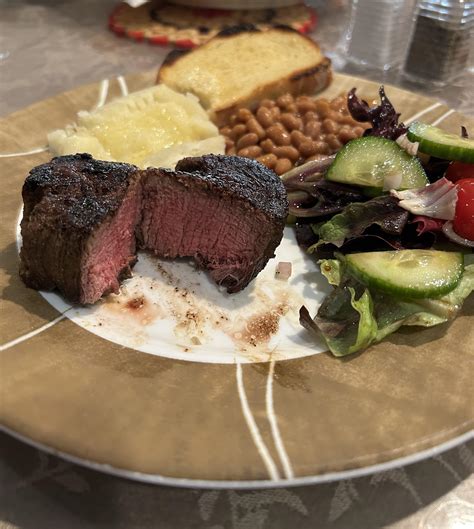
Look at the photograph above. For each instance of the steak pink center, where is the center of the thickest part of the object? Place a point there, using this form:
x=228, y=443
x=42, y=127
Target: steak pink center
x=111, y=250
x=222, y=234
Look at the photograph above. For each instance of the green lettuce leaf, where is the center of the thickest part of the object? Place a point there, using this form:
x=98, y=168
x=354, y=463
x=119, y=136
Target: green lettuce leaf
x=352, y=316
x=367, y=327
x=331, y=270
x=352, y=222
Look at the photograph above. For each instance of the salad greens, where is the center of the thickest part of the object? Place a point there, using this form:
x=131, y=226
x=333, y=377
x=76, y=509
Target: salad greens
x=311, y=195
x=341, y=206
x=378, y=224
x=353, y=316
x=354, y=220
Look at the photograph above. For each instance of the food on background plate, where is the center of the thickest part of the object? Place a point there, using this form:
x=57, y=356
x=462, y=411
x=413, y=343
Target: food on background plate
x=290, y=130
x=166, y=23
x=135, y=128
x=81, y=216
x=243, y=65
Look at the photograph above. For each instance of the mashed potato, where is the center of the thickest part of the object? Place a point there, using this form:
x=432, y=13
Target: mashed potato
x=140, y=126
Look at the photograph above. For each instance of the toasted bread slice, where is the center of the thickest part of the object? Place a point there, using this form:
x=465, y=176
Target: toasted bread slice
x=243, y=65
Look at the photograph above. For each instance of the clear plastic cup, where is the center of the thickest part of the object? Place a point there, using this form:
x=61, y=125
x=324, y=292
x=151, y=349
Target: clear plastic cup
x=379, y=32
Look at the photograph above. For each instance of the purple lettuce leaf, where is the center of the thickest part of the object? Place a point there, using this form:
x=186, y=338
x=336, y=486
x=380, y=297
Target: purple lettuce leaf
x=435, y=168
x=374, y=240
x=305, y=236
x=427, y=224
x=336, y=316
x=376, y=225
x=308, y=171
x=345, y=319
x=311, y=195
x=320, y=198
x=384, y=118
x=356, y=218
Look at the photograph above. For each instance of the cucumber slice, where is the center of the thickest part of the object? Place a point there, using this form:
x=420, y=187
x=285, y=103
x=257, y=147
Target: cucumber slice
x=441, y=144
x=378, y=163
x=408, y=273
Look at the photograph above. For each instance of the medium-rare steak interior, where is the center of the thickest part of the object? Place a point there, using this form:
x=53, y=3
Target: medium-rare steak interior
x=226, y=212
x=78, y=226
x=82, y=216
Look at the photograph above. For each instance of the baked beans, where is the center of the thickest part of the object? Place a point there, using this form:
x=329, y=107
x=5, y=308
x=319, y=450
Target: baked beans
x=290, y=131
x=269, y=160
x=247, y=140
x=283, y=165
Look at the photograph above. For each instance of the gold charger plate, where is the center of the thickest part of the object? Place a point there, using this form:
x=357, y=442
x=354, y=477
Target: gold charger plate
x=178, y=422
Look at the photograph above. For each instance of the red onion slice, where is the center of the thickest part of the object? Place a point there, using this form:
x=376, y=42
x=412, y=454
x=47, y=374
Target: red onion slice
x=436, y=200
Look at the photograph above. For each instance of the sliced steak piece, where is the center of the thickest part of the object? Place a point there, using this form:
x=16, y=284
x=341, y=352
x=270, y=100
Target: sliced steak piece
x=226, y=212
x=78, y=226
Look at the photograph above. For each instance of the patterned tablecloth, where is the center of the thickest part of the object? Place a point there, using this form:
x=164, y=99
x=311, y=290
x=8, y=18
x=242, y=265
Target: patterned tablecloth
x=48, y=46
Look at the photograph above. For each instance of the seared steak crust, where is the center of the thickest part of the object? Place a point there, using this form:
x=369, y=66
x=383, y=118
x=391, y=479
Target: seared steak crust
x=84, y=191
x=244, y=178
x=66, y=202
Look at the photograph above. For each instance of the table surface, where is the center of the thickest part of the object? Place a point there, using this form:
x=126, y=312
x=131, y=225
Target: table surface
x=49, y=46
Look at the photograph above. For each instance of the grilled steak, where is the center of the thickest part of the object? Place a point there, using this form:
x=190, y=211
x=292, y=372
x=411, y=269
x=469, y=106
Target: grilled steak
x=81, y=215
x=78, y=226
x=226, y=212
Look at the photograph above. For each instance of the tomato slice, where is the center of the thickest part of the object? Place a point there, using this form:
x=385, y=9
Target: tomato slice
x=463, y=223
x=459, y=170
